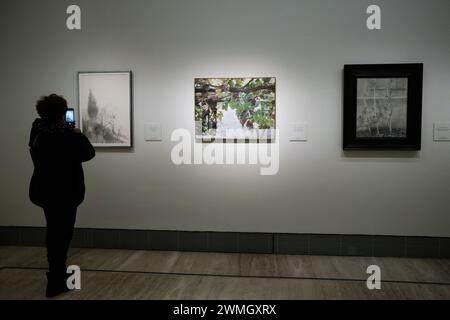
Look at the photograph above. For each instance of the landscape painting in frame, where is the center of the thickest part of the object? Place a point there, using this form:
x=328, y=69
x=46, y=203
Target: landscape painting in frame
x=235, y=108
x=383, y=106
x=105, y=108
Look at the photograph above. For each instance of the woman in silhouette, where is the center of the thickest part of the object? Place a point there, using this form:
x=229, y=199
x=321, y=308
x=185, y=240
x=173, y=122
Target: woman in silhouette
x=57, y=185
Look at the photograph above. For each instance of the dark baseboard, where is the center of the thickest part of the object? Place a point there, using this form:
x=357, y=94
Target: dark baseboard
x=240, y=242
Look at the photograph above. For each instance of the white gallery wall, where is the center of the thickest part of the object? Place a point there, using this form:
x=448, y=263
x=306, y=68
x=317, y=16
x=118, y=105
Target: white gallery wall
x=167, y=43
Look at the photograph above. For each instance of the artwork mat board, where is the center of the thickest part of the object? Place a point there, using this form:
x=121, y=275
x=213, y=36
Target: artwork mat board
x=129, y=103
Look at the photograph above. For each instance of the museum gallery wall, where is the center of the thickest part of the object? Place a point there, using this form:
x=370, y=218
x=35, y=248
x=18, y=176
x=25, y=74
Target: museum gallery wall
x=372, y=180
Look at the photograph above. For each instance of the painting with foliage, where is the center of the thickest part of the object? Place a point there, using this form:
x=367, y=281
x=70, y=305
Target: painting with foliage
x=382, y=107
x=239, y=108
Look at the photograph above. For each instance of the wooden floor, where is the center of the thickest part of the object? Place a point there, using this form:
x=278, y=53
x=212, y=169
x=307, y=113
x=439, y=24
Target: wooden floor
x=125, y=274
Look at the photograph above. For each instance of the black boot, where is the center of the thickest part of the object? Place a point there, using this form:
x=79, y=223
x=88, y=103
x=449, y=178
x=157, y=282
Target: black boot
x=56, y=285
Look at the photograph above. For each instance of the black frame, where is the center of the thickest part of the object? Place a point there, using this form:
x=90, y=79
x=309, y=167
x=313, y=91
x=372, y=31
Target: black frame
x=414, y=73
x=131, y=106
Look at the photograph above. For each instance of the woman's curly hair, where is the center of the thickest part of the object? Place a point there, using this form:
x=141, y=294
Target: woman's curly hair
x=52, y=107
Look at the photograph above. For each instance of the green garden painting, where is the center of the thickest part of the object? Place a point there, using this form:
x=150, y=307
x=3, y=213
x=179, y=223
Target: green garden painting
x=237, y=108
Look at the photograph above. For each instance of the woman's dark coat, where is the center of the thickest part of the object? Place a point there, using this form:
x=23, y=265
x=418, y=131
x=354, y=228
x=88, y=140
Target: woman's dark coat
x=57, y=153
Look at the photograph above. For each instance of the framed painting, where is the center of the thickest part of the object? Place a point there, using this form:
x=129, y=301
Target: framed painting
x=236, y=109
x=383, y=106
x=105, y=105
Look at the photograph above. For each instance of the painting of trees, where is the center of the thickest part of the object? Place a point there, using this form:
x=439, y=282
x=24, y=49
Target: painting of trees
x=382, y=107
x=105, y=108
x=240, y=104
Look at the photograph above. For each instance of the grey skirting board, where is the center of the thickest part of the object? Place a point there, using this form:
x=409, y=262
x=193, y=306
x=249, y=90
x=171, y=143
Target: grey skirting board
x=240, y=242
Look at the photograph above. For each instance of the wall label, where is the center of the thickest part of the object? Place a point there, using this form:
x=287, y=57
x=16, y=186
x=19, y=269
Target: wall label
x=442, y=131
x=298, y=132
x=152, y=132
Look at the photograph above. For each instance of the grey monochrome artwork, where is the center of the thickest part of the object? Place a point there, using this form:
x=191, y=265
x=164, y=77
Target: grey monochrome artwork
x=105, y=108
x=382, y=105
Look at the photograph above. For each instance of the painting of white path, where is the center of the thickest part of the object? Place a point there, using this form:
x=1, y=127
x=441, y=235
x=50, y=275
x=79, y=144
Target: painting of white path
x=235, y=108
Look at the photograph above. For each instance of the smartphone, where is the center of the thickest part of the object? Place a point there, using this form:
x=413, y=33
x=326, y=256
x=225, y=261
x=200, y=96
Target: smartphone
x=70, y=117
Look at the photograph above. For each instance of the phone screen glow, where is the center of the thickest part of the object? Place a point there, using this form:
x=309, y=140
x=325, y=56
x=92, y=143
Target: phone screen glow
x=70, y=116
